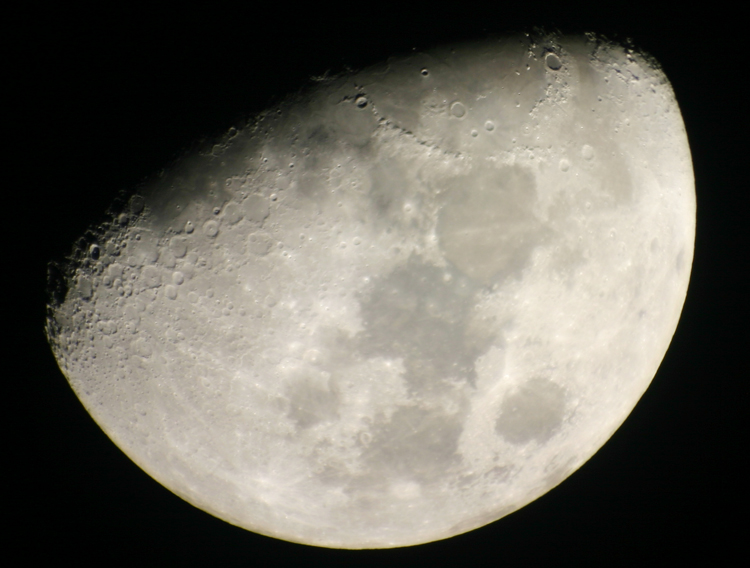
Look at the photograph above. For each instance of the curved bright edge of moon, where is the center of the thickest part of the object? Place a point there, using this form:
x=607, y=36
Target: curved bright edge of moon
x=401, y=305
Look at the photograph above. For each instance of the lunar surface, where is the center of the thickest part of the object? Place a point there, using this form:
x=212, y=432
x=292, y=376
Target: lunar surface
x=400, y=305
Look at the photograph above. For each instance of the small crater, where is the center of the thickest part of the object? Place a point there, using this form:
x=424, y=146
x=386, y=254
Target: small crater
x=360, y=101
x=553, y=61
x=458, y=109
x=259, y=243
x=178, y=247
x=137, y=203
x=211, y=228
x=115, y=270
x=150, y=277
x=255, y=209
x=232, y=214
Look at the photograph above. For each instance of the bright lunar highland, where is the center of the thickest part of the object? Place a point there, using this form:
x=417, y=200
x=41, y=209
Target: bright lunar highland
x=401, y=304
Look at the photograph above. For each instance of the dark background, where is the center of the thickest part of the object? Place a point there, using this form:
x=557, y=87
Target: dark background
x=101, y=99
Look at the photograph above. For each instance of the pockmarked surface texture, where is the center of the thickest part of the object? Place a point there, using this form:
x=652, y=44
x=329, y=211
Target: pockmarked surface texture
x=402, y=304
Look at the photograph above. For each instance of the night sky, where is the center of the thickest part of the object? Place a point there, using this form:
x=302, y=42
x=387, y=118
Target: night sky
x=100, y=100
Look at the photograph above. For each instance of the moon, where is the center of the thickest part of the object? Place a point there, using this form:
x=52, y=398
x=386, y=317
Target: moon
x=399, y=305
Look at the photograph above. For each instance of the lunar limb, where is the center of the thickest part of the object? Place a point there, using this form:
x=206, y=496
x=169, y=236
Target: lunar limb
x=399, y=306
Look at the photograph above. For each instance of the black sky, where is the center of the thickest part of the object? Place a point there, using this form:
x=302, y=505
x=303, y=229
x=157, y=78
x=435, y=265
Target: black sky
x=102, y=99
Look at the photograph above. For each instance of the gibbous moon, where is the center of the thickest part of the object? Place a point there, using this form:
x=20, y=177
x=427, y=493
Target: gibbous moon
x=400, y=305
